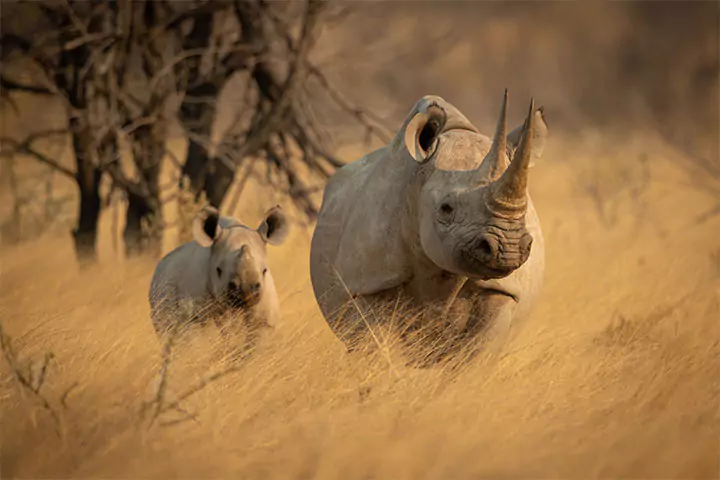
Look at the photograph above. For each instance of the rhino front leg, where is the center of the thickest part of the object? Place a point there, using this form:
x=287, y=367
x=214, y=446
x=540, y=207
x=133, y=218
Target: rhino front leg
x=356, y=323
x=491, y=320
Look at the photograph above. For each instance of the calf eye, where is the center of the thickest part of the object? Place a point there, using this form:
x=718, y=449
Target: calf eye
x=219, y=271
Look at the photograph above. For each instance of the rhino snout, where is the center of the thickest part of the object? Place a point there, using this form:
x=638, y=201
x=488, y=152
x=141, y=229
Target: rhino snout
x=493, y=254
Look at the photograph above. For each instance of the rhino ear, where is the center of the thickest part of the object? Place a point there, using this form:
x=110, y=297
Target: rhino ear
x=422, y=131
x=539, y=137
x=275, y=227
x=206, y=227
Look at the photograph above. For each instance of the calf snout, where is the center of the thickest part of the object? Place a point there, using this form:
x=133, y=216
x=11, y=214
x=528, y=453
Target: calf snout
x=244, y=293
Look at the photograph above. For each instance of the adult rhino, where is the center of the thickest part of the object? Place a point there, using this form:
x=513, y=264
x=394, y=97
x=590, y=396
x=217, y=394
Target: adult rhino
x=223, y=271
x=441, y=217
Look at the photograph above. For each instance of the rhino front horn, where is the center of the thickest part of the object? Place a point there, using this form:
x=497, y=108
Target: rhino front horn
x=496, y=160
x=508, y=194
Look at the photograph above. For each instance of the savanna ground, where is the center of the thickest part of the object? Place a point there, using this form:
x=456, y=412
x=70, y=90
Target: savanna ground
x=616, y=375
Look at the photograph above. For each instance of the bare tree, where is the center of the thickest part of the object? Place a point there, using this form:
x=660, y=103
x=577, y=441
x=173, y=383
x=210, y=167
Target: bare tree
x=119, y=66
x=61, y=58
x=276, y=121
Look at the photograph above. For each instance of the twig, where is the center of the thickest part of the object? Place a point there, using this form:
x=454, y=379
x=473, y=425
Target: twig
x=162, y=380
x=26, y=382
x=66, y=394
x=360, y=114
x=201, y=385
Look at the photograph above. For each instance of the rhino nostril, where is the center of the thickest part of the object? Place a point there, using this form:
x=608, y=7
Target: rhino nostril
x=256, y=287
x=485, y=247
x=233, y=286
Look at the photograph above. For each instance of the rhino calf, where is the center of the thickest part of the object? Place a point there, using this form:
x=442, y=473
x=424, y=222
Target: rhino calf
x=441, y=217
x=223, y=271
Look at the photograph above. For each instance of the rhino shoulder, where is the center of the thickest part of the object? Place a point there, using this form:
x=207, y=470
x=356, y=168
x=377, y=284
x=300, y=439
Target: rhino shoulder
x=358, y=232
x=184, y=269
x=351, y=176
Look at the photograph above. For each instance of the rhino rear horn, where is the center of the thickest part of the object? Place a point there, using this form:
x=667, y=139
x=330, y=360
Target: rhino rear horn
x=508, y=194
x=206, y=226
x=539, y=136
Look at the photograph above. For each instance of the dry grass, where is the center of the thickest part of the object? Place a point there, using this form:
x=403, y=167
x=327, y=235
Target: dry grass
x=616, y=374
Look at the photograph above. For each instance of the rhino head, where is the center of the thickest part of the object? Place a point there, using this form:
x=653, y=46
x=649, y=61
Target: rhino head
x=470, y=198
x=237, y=267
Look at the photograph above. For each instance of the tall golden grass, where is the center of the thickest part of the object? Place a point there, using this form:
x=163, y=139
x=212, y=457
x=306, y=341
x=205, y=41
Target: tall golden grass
x=616, y=375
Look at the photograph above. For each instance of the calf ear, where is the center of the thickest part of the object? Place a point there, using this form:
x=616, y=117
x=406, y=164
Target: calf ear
x=206, y=228
x=275, y=227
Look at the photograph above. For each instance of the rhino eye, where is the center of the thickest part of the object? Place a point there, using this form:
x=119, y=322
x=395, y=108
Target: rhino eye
x=264, y=271
x=219, y=271
x=446, y=213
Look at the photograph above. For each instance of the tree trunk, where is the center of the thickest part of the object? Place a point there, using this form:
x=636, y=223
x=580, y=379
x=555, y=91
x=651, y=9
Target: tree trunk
x=88, y=180
x=143, y=227
x=144, y=223
x=209, y=175
x=218, y=182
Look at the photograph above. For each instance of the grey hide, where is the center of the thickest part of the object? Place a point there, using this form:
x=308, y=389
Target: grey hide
x=441, y=216
x=224, y=269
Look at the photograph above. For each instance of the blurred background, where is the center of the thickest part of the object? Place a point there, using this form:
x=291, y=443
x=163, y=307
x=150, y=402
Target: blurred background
x=619, y=68
x=119, y=120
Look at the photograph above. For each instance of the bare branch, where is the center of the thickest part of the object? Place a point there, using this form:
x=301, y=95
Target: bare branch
x=11, y=85
x=9, y=42
x=25, y=147
x=222, y=156
x=361, y=115
x=270, y=122
x=86, y=39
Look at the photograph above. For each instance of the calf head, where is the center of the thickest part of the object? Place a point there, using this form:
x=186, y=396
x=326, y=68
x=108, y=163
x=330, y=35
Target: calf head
x=469, y=210
x=238, y=259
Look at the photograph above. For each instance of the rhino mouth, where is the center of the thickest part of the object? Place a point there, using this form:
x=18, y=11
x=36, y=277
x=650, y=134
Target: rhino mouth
x=500, y=288
x=478, y=270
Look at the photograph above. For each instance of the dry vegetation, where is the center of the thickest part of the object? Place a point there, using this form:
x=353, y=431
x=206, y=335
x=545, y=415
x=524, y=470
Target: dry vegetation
x=616, y=375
